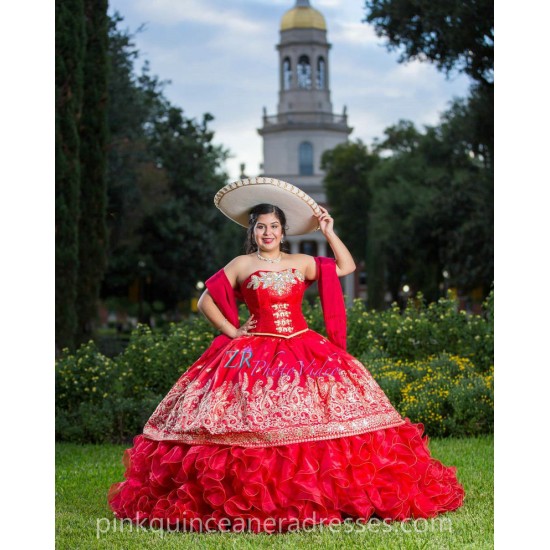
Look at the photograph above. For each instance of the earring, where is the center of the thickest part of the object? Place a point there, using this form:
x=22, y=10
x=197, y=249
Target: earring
x=282, y=240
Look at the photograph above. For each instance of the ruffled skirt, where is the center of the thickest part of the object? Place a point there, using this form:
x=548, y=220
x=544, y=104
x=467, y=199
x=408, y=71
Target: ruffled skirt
x=387, y=473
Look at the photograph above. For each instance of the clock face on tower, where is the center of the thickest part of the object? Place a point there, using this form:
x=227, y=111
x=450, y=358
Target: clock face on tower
x=304, y=72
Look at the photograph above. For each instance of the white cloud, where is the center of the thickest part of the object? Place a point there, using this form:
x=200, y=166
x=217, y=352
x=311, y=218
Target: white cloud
x=317, y=4
x=205, y=12
x=354, y=33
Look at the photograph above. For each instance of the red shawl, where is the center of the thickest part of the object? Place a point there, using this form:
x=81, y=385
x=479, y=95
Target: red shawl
x=330, y=292
x=332, y=300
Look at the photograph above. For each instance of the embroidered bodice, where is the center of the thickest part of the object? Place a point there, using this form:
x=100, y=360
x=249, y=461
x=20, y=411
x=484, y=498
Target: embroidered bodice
x=275, y=299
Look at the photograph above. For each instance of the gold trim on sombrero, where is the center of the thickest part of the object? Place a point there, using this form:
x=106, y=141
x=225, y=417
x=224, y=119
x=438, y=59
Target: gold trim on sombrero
x=276, y=183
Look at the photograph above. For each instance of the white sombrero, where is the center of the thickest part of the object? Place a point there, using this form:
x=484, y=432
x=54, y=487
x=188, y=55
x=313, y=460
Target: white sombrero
x=236, y=200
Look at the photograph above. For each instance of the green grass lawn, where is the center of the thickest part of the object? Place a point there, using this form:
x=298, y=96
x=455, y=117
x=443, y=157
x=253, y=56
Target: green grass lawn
x=84, y=473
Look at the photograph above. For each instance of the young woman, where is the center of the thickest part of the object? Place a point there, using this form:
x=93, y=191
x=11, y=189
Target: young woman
x=276, y=427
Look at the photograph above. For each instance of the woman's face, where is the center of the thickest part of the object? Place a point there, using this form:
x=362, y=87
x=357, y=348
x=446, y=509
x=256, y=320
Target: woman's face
x=268, y=232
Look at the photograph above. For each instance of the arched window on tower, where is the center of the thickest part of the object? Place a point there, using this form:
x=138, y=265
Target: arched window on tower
x=287, y=74
x=304, y=72
x=305, y=156
x=321, y=73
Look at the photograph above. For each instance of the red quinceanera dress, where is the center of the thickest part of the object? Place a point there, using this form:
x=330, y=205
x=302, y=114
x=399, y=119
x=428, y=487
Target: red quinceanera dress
x=279, y=430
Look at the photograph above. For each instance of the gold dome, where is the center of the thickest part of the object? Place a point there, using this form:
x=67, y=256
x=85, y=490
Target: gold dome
x=303, y=18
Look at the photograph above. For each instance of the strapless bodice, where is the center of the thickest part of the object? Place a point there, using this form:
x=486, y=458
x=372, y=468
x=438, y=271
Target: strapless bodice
x=275, y=300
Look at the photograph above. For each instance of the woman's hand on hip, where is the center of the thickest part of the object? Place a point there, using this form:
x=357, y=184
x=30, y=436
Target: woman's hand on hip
x=250, y=324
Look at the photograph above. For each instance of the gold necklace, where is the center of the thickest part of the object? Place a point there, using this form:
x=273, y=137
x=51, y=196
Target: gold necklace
x=276, y=261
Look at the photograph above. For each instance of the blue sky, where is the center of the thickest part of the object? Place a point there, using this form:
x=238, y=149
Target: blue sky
x=220, y=57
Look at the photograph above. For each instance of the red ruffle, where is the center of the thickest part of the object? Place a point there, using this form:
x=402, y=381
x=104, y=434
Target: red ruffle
x=386, y=473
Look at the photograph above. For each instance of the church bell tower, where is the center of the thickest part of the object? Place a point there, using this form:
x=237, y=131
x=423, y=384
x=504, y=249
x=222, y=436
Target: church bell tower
x=305, y=126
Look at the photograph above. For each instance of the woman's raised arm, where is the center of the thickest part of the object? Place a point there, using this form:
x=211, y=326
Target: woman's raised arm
x=344, y=260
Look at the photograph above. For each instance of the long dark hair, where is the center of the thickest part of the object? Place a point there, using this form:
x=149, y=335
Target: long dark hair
x=258, y=210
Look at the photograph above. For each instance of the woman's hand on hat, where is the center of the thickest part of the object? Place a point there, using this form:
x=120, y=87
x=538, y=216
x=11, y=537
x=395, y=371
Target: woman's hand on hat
x=250, y=324
x=326, y=223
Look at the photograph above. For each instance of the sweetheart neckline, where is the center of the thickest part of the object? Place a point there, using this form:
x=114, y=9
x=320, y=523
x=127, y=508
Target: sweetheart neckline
x=271, y=271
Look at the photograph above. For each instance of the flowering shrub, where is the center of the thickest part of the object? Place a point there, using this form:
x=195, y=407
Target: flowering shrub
x=84, y=384
x=433, y=361
x=100, y=399
x=421, y=331
x=86, y=375
x=444, y=392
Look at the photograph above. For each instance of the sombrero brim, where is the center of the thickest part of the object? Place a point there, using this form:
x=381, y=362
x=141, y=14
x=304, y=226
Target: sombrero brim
x=236, y=200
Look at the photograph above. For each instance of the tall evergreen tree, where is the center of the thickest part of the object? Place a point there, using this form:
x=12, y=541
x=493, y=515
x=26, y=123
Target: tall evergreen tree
x=69, y=57
x=93, y=145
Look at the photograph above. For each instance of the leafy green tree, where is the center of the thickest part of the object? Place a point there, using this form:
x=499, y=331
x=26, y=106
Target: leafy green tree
x=417, y=209
x=403, y=187
x=347, y=183
x=453, y=34
x=180, y=238
x=464, y=211
x=432, y=210
x=163, y=171
x=469, y=124
x=432, y=194
x=93, y=151
x=69, y=64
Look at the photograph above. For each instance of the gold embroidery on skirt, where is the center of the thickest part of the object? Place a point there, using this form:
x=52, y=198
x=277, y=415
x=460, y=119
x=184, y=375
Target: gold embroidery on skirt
x=272, y=411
